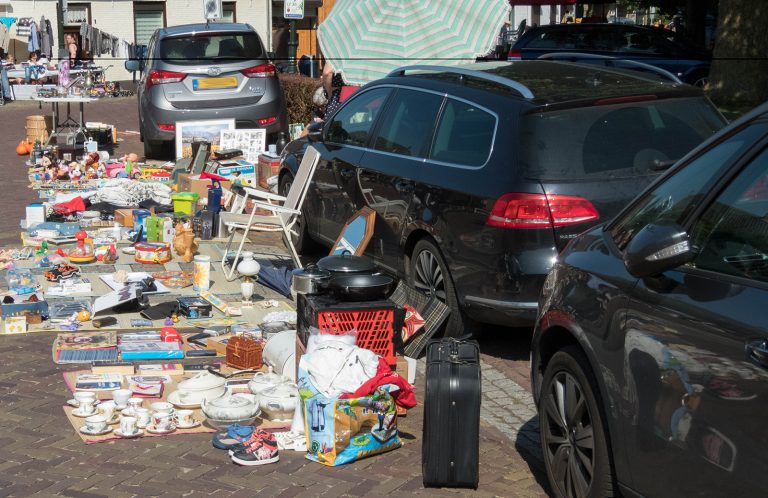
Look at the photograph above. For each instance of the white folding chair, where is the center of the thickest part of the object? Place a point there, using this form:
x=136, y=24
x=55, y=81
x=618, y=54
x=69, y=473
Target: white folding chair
x=285, y=211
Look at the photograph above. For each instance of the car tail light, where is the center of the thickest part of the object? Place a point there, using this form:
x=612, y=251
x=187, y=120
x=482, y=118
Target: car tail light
x=160, y=77
x=260, y=71
x=167, y=127
x=266, y=121
x=516, y=210
x=515, y=54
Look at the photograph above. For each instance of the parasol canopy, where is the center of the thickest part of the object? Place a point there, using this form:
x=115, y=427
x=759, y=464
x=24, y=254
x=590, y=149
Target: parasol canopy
x=366, y=39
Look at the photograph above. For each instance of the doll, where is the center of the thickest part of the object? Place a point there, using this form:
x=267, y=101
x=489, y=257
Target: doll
x=75, y=173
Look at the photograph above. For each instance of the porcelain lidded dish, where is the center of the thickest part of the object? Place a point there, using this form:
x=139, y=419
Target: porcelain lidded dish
x=262, y=381
x=204, y=385
x=278, y=403
x=229, y=409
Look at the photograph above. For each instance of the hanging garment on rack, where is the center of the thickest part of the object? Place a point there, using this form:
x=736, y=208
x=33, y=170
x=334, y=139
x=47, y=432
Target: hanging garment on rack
x=8, y=21
x=106, y=44
x=34, y=37
x=45, y=38
x=115, y=46
x=5, y=38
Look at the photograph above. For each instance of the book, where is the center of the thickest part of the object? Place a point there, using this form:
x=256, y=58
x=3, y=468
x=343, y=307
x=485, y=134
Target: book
x=85, y=347
x=161, y=368
x=99, y=382
x=120, y=367
x=150, y=350
x=143, y=385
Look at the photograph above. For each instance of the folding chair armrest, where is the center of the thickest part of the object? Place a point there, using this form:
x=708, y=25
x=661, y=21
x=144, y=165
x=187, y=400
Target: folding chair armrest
x=252, y=192
x=275, y=207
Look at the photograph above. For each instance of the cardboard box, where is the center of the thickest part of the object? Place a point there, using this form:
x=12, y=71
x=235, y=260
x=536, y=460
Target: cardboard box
x=192, y=183
x=124, y=217
x=35, y=214
x=269, y=166
x=244, y=171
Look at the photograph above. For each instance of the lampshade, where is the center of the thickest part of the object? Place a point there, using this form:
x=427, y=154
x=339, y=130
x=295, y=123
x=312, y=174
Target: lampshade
x=248, y=266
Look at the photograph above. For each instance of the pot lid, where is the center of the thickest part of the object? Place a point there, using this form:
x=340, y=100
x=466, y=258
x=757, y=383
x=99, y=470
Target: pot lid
x=201, y=382
x=281, y=391
x=228, y=401
x=311, y=271
x=346, y=263
x=268, y=379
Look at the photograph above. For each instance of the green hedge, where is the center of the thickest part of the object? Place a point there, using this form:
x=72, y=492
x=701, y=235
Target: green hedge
x=298, y=96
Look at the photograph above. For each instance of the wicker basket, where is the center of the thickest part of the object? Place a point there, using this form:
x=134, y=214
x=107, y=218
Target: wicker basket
x=244, y=353
x=37, y=128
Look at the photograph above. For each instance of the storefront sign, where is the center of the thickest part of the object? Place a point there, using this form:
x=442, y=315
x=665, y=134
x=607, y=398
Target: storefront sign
x=293, y=9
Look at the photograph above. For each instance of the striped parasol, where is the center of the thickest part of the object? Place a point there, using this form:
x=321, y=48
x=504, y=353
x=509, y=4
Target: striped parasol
x=366, y=39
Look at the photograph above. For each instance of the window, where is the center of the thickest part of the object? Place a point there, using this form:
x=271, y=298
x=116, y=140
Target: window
x=676, y=197
x=228, y=12
x=408, y=125
x=464, y=135
x=732, y=235
x=202, y=46
x=76, y=14
x=148, y=17
x=353, y=123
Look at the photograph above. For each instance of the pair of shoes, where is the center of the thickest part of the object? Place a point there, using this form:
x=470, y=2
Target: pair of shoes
x=255, y=438
x=235, y=435
x=261, y=450
x=291, y=441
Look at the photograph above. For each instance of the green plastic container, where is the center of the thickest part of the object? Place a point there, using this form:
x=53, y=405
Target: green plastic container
x=185, y=202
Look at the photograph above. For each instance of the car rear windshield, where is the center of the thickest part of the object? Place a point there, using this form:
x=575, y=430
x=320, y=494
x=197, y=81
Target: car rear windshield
x=211, y=47
x=614, y=140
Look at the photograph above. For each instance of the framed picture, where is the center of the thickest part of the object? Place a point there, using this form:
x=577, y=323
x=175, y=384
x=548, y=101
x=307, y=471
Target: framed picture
x=295, y=129
x=208, y=130
x=251, y=141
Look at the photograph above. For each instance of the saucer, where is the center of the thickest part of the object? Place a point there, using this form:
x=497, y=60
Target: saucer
x=77, y=413
x=129, y=250
x=85, y=431
x=174, y=399
x=114, y=420
x=119, y=433
x=73, y=402
x=121, y=407
x=151, y=429
x=191, y=426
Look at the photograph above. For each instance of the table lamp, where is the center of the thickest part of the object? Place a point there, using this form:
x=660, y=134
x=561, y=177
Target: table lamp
x=249, y=269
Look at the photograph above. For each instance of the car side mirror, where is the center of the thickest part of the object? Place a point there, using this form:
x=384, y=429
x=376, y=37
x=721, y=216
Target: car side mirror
x=315, y=132
x=656, y=249
x=132, y=65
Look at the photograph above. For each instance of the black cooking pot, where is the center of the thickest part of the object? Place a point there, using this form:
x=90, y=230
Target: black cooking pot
x=361, y=287
x=347, y=264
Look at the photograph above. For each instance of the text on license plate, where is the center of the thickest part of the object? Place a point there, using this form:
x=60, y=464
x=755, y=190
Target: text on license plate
x=210, y=83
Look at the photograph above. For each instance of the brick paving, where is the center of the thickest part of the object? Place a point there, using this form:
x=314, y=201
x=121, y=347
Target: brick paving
x=40, y=455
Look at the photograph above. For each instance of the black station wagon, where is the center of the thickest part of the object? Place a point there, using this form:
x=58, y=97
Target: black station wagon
x=480, y=175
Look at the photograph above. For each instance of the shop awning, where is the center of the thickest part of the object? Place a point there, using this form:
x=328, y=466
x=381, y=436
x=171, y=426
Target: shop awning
x=542, y=2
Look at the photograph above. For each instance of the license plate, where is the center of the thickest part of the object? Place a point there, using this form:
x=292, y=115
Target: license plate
x=214, y=83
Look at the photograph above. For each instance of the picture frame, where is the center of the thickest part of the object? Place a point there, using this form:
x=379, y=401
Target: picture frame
x=206, y=129
x=252, y=141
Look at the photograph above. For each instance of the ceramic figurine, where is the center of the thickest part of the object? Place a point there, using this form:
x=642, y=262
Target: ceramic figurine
x=63, y=172
x=168, y=321
x=184, y=242
x=110, y=256
x=174, y=317
x=101, y=171
x=75, y=173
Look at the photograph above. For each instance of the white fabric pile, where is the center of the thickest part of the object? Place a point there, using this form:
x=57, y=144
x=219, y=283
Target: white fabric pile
x=123, y=192
x=337, y=367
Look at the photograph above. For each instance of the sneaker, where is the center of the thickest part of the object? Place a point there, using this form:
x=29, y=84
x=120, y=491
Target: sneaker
x=261, y=453
x=256, y=438
x=234, y=435
x=291, y=441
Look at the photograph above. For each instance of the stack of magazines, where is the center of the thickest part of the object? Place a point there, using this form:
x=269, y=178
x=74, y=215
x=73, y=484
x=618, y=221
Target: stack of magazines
x=85, y=347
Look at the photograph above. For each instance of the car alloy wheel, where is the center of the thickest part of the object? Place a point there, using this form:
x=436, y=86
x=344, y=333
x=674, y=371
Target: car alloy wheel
x=572, y=438
x=428, y=275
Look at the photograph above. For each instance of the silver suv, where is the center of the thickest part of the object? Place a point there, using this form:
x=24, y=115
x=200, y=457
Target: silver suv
x=206, y=71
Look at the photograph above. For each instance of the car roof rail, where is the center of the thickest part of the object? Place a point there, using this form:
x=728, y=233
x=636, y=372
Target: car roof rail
x=609, y=61
x=523, y=90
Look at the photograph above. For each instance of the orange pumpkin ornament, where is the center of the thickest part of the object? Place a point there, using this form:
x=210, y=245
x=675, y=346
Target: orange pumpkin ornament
x=22, y=149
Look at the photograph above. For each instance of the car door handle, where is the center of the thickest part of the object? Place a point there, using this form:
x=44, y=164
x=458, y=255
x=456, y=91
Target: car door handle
x=757, y=351
x=404, y=186
x=347, y=173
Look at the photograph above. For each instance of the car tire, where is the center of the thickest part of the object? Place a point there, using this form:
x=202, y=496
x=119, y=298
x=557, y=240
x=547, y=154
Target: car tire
x=570, y=425
x=303, y=243
x=428, y=273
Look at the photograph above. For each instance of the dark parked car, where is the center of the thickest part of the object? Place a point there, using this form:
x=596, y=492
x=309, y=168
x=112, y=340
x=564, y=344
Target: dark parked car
x=206, y=71
x=479, y=176
x=650, y=354
x=657, y=47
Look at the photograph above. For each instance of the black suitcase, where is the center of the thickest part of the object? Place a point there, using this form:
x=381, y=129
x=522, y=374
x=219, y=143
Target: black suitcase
x=450, y=451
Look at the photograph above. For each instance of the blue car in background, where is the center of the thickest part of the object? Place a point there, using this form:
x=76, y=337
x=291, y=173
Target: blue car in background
x=658, y=47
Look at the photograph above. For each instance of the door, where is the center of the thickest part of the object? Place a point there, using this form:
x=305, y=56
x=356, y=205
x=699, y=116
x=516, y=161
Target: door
x=695, y=348
x=346, y=135
x=387, y=177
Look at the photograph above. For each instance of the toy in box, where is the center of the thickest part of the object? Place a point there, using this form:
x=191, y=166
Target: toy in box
x=194, y=307
x=21, y=281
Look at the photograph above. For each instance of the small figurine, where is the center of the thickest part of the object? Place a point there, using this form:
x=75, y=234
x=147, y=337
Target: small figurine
x=168, y=321
x=75, y=173
x=110, y=256
x=63, y=172
x=184, y=242
x=101, y=171
x=174, y=317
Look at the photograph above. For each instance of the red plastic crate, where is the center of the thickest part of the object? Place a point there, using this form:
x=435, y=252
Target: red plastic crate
x=375, y=329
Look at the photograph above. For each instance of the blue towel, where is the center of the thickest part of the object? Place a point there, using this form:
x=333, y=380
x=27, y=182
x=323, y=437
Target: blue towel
x=8, y=21
x=34, y=38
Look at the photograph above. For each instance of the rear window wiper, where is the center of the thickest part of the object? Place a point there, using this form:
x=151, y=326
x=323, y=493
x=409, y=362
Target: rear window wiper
x=659, y=165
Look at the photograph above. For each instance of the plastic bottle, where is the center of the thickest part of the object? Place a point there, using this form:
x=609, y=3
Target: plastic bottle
x=282, y=141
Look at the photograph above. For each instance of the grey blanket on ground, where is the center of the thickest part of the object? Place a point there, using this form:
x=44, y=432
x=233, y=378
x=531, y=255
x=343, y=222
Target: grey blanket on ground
x=123, y=192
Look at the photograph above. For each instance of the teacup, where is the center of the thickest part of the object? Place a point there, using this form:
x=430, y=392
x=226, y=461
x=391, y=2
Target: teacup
x=143, y=417
x=85, y=397
x=95, y=423
x=135, y=403
x=121, y=397
x=128, y=425
x=161, y=406
x=87, y=408
x=185, y=418
x=106, y=409
x=161, y=420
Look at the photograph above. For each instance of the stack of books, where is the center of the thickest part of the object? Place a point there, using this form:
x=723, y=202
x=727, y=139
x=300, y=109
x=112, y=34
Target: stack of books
x=148, y=346
x=85, y=347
